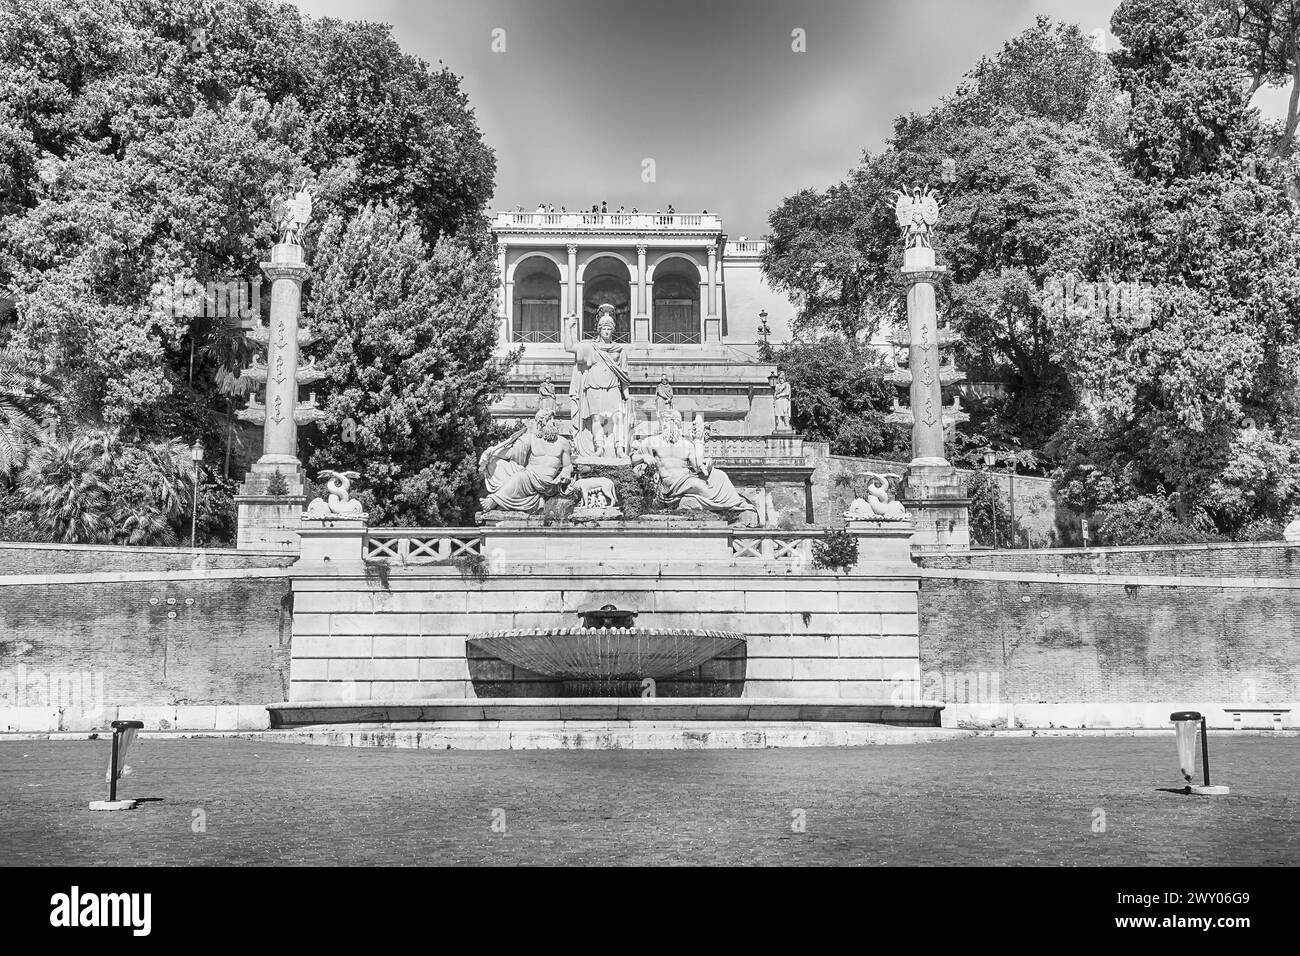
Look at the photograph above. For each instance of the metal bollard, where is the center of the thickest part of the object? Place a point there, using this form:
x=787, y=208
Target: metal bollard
x=1186, y=724
x=123, y=733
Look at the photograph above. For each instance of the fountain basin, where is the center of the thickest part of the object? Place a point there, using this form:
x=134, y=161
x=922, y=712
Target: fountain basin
x=607, y=653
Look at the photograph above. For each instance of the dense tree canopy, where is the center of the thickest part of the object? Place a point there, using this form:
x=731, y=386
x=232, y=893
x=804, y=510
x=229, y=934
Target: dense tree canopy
x=1145, y=167
x=412, y=334
x=141, y=146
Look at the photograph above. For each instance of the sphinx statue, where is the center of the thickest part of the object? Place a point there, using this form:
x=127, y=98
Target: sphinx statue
x=685, y=478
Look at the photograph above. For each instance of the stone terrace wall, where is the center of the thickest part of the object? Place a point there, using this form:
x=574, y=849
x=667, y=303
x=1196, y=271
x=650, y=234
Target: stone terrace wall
x=78, y=651
x=1106, y=650
x=1266, y=559
x=1036, y=508
x=24, y=558
x=404, y=637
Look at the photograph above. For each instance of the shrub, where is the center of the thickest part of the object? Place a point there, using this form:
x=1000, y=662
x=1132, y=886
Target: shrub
x=836, y=551
x=1147, y=519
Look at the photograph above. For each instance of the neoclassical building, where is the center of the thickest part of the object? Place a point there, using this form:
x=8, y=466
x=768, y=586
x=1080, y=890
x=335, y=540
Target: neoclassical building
x=692, y=305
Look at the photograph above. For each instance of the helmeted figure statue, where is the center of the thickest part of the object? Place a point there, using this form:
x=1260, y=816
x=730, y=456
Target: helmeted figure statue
x=528, y=467
x=685, y=479
x=599, y=388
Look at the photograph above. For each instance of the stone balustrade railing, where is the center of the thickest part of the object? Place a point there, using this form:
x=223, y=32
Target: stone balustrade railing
x=795, y=546
x=761, y=446
x=420, y=545
x=607, y=220
x=416, y=546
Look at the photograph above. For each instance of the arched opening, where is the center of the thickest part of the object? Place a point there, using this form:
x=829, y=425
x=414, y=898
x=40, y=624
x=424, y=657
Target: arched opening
x=537, y=301
x=676, y=303
x=607, y=281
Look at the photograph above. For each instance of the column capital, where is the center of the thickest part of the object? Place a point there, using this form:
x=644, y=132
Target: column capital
x=640, y=249
x=914, y=274
x=571, y=249
x=286, y=270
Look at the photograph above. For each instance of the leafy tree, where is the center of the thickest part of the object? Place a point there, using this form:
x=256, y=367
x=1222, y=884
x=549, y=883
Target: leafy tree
x=1033, y=182
x=141, y=143
x=26, y=399
x=1202, y=399
x=990, y=513
x=411, y=370
x=94, y=489
x=838, y=394
x=1270, y=32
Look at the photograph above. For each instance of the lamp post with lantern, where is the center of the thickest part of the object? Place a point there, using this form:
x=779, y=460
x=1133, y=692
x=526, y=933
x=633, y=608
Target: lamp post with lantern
x=764, y=330
x=196, y=456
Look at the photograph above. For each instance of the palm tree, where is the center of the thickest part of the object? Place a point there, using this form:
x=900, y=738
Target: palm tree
x=26, y=399
x=230, y=351
x=66, y=487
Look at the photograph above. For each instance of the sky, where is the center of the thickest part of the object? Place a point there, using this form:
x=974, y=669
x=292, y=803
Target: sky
x=576, y=95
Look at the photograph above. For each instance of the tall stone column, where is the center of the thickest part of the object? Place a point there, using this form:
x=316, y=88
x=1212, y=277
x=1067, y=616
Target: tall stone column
x=503, y=296
x=933, y=489
x=712, y=321
x=920, y=273
x=270, y=499
x=640, y=315
x=287, y=271
x=575, y=304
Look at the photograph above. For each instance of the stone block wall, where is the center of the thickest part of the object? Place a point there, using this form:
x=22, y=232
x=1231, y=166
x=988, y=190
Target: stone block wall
x=809, y=634
x=1236, y=559
x=1107, y=650
x=1037, y=512
x=191, y=650
x=40, y=558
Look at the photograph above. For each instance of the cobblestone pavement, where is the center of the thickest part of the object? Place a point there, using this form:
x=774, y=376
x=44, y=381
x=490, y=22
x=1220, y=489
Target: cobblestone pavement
x=984, y=800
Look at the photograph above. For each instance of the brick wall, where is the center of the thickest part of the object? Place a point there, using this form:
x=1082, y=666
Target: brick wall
x=212, y=658
x=1103, y=641
x=1266, y=559
x=24, y=558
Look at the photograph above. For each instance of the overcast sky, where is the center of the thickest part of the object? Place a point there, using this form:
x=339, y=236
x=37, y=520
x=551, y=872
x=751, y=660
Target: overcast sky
x=711, y=90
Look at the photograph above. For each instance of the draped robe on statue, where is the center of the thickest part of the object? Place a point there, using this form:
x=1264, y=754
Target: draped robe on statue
x=681, y=483
x=519, y=478
x=600, y=379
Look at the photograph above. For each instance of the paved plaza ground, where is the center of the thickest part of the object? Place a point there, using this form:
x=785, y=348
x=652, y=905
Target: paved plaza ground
x=975, y=801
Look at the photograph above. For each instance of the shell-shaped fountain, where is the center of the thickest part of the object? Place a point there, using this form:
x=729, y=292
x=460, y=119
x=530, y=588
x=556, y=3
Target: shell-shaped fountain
x=607, y=648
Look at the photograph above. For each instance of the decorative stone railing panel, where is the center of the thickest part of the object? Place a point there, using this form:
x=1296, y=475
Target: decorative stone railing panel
x=776, y=546
x=421, y=545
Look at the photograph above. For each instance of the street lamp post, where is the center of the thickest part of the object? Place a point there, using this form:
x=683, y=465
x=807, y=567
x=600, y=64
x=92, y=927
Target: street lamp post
x=196, y=456
x=991, y=459
x=764, y=330
x=1011, y=498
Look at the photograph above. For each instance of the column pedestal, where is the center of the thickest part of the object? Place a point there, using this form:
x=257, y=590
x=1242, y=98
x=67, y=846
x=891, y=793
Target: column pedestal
x=270, y=522
x=933, y=493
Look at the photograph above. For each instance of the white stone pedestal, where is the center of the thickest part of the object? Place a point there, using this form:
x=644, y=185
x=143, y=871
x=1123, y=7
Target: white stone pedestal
x=938, y=503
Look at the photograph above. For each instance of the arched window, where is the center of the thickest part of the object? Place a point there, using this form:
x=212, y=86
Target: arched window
x=676, y=318
x=606, y=281
x=537, y=301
